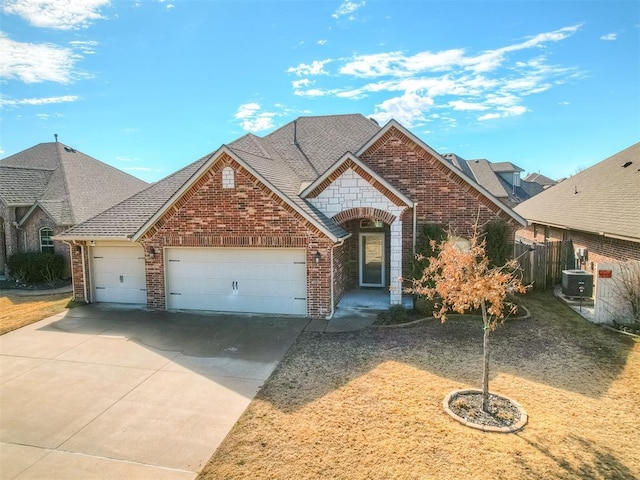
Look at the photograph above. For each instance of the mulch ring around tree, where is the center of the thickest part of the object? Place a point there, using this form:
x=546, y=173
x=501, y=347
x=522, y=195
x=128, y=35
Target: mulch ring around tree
x=504, y=415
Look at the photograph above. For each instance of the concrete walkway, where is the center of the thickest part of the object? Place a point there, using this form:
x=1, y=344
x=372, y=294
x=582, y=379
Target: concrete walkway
x=102, y=392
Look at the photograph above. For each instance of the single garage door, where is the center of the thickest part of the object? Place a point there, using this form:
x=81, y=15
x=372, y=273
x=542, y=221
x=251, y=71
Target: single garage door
x=118, y=274
x=256, y=280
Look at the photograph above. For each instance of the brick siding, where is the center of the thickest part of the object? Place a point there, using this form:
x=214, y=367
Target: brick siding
x=248, y=215
x=442, y=196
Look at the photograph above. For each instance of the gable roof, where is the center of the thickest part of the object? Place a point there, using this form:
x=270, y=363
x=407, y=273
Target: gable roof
x=540, y=179
x=602, y=199
x=487, y=174
x=69, y=185
x=288, y=161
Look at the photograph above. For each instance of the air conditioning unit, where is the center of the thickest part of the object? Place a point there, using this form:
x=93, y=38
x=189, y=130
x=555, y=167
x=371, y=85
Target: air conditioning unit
x=572, y=280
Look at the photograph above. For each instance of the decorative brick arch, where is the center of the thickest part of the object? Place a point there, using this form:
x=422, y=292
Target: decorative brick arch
x=364, y=212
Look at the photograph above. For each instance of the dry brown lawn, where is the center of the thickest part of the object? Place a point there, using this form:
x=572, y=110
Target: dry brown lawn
x=16, y=312
x=368, y=405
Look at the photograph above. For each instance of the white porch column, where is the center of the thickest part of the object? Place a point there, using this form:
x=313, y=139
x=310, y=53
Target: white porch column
x=395, y=270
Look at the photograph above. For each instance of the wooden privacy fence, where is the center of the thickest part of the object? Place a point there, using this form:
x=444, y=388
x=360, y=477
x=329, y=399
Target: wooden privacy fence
x=542, y=263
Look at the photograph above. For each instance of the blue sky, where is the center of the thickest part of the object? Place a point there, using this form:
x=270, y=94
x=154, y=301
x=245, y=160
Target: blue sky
x=149, y=86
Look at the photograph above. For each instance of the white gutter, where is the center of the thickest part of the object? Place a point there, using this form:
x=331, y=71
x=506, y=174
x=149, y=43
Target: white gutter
x=415, y=226
x=333, y=307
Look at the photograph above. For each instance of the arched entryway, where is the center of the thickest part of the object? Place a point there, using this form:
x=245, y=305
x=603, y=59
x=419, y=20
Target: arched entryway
x=371, y=258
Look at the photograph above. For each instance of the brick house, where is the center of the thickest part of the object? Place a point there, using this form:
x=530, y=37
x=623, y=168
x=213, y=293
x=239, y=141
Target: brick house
x=598, y=209
x=50, y=187
x=284, y=223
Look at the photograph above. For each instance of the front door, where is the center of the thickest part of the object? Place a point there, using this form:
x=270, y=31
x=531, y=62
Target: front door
x=372, y=260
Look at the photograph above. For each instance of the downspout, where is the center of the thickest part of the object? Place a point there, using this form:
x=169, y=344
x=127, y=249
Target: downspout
x=333, y=307
x=415, y=226
x=84, y=272
x=73, y=282
x=24, y=236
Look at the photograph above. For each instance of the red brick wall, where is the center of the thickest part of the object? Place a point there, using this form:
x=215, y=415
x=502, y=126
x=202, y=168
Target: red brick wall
x=76, y=272
x=442, y=196
x=249, y=215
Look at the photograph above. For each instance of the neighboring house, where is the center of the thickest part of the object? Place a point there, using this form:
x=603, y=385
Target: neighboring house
x=598, y=209
x=50, y=187
x=540, y=179
x=280, y=224
x=501, y=179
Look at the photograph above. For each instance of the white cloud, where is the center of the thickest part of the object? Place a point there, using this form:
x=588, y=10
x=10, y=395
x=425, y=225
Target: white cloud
x=170, y=6
x=322, y=42
x=304, y=82
x=467, y=106
x=496, y=81
x=57, y=14
x=347, y=8
x=39, y=101
x=47, y=116
x=1, y=151
x=253, y=118
x=609, y=36
x=407, y=109
x=86, y=47
x=38, y=62
x=489, y=116
x=504, y=112
x=315, y=68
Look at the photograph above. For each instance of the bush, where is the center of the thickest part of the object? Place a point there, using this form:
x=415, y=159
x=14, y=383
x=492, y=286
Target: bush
x=496, y=234
x=36, y=267
x=424, y=250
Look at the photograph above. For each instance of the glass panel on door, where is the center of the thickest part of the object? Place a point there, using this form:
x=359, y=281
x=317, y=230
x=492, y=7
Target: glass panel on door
x=372, y=259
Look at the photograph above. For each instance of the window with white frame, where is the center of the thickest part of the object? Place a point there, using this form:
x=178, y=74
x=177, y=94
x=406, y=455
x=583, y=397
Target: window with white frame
x=46, y=244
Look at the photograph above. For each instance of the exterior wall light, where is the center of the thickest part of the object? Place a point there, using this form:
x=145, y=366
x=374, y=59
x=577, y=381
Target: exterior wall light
x=152, y=253
x=317, y=257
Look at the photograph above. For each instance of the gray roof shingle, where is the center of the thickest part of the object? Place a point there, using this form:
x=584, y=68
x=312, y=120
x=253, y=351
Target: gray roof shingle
x=23, y=186
x=289, y=159
x=601, y=199
x=78, y=186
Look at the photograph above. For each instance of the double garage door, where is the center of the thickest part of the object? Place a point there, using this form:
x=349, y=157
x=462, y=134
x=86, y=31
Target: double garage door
x=255, y=280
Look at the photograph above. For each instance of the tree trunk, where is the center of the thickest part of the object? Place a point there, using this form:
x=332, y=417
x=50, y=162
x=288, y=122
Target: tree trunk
x=485, y=370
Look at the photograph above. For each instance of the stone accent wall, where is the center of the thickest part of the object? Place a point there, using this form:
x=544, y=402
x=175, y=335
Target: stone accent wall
x=355, y=194
x=247, y=215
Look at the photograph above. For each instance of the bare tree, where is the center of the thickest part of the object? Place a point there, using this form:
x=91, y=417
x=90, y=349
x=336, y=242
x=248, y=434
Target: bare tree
x=462, y=280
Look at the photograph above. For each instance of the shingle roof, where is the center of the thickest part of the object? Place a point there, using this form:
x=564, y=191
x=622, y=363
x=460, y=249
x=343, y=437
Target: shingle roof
x=78, y=186
x=539, y=178
x=23, y=186
x=485, y=176
x=607, y=198
x=289, y=159
x=127, y=217
x=500, y=167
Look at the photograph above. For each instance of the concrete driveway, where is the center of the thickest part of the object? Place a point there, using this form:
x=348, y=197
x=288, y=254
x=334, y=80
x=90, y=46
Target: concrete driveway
x=106, y=392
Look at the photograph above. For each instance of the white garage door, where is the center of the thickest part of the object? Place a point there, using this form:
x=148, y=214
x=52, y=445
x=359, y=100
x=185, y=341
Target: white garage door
x=257, y=280
x=118, y=274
